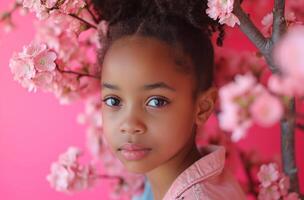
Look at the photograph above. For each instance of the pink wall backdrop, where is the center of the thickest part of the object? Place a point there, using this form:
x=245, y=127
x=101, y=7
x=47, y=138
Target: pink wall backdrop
x=35, y=129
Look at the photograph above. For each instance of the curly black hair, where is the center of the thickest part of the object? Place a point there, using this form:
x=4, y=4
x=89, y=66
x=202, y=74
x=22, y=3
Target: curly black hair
x=179, y=23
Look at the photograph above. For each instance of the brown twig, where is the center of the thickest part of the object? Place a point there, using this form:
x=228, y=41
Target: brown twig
x=288, y=148
x=105, y=176
x=84, y=21
x=87, y=7
x=76, y=73
x=264, y=45
x=279, y=22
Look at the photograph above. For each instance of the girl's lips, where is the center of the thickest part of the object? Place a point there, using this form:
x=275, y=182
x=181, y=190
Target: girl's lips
x=134, y=154
x=132, y=147
x=133, y=151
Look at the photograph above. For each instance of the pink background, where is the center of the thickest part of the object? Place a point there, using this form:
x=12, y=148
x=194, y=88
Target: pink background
x=35, y=129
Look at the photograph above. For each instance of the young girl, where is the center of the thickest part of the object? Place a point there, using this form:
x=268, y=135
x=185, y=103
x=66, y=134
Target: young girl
x=157, y=74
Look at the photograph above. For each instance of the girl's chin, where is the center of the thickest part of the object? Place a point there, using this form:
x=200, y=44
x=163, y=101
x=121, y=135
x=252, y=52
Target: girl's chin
x=137, y=167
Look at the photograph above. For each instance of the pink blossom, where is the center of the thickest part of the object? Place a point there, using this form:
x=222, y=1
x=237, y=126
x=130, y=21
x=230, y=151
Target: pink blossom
x=72, y=6
x=288, y=55
x=32, y=50
x=289, y=52
x=269, y=193
x=266, y=109
x=267, y=22
x=292, y=196
x=70, y=156
x=43, y=9
x=235, y=100
x=22, y=68
x=286, y=85
x=68, y=175
x=36, y=6
x=268, y=174
x=50, y=3
x=274, y=184
x=284, y=184
x=240, y=132
x=60, y=177
x=44, y=80
x=59, y=35
x=222, y=10
x=28, y=64
x=45, y=61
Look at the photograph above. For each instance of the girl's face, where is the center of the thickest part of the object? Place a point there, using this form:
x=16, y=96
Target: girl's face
x=148, y=112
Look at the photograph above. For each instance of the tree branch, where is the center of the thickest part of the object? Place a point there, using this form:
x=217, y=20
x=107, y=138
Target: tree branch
x=288, y=148
x=264, y=45
x=279, y=23
x=87, y=7
x=84, y=21
x=76, y=73
x=121, y=180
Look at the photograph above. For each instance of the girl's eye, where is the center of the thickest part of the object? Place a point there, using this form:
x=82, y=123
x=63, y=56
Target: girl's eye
x=154, y=102
x=111, y=101
x=158, y=102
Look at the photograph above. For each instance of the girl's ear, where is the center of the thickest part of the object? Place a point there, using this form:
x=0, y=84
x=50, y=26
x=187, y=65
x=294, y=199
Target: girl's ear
x=205, y=105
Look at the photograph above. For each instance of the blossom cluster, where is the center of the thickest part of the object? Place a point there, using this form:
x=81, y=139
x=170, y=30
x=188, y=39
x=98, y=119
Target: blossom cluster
x=44, y=8
x=62, y=59
x=274, y=185
x=34, y=66
x=222, y=10
x=289, y=57
x=245, y=101
x=267, y=22
x=68, y=175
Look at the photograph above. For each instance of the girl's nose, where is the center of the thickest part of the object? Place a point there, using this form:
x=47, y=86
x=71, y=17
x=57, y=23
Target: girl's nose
x=132, y=125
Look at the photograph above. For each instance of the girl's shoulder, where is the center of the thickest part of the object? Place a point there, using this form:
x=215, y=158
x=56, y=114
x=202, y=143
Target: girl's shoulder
x=206, y=179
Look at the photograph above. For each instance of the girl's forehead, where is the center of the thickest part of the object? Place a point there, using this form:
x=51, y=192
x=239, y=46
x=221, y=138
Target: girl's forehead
x=142, y=60
x=146, y=47
x=147, y=52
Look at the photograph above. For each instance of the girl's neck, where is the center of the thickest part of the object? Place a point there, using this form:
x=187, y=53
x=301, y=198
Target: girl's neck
x=162, y=177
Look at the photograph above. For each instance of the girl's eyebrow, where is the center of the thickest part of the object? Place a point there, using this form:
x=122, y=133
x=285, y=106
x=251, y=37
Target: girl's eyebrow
x=145, y=87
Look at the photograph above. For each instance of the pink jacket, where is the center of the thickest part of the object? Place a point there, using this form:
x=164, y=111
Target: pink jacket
x=206, y=179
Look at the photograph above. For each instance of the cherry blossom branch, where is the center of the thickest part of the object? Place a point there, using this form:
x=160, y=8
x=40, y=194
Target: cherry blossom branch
x=121, y=180
x=288, y=147
x=87, y=7
x=265, y=46
x=84, y=21
x=279, y=22
x=76, y=73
